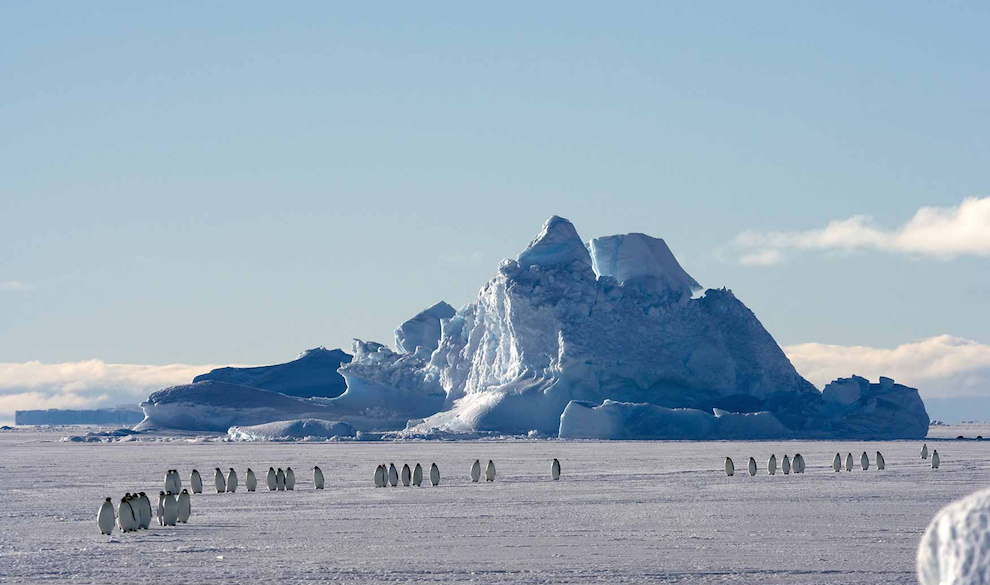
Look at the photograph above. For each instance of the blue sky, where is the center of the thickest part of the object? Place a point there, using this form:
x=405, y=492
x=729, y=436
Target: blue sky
x=235, y=182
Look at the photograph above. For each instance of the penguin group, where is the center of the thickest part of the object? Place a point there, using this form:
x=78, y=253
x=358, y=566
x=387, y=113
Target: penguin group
x=489, y=471
x=864, y=462
x=134, y=511
x=787, y=465
x=386, y=476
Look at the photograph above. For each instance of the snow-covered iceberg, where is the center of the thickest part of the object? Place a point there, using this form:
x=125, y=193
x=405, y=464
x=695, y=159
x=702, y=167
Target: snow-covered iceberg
x=307, y=429
x=313, y=373
x=421, y=334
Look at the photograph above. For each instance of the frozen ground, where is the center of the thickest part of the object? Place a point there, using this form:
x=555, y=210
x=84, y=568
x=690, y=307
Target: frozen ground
x=624, y=512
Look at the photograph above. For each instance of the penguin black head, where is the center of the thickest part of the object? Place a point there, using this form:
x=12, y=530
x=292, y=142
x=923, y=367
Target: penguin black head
x=142, y=494
x=194, y=471
x=108, y=499
x=185, y=491
x=161, y=493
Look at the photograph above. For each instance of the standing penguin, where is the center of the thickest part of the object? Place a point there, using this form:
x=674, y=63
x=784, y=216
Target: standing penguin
x=393, y=475
x=837, y=463
x=490, y=471
x=864, y=461
x=434, y=475
x=730, y=467
x=318, y=477
x=219, y=481
x=752, y=466
x=231, y=480
x=476, y=471
x=849, y=461
x=772, y=464
x=418, y=475
x=272, y=482
x=176, y=481
x=290, y=479
x=184, y=507
x=144, y=510
x=798, y=463
x=555, y=470
x=171, y=510
x=105, y=517
x=125, y=515
x=161, y=508
x=196, y=481
x=406, y=475
x=168, y=480
x=924, y=451
x=280, y=480
x=251, y=481
x=380, y=476
x=881, y=464
x=785, y=465
x=935, y=459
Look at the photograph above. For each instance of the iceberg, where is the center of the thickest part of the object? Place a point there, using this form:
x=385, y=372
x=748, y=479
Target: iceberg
x=421, y=334
x=308, y=429
x=313, y=373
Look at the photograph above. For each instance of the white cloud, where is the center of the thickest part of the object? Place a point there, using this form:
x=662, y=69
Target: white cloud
x=941, y=366
x=939, y=232
x=86, y=384
x=15, y=286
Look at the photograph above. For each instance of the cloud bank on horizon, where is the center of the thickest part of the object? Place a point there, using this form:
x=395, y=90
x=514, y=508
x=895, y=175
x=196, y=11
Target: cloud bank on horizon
x=937, y=232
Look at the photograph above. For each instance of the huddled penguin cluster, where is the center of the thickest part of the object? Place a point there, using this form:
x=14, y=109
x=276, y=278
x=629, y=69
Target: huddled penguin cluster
x=390, y=476
x=787, y=465
x=134, y=511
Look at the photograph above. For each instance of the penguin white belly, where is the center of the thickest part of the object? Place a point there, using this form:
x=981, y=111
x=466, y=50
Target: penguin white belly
x=837, y=463
x=219, y=481
x=936, y=460
x=924, y=451
x=476, y=471
x=231, y=480
x=184, y=507
x=290, y=479
x=106, y=517
x=434, y=475
x=418, y=475
x=318, y=478
x=196, y=482
x=849, y=461
x=171, y=510
x=881, y=464
x=864, y=461
x=555, y=470
x=251, y=482
x=125, y=516
x=406, y=475
x=167, y=484
x=144, y=505
x=393, y=475
x=730, y=468
x=772, y=465
x=752, y=466
x=490, y=471
x=785, y=465
x=272, y=481
x=379, y=476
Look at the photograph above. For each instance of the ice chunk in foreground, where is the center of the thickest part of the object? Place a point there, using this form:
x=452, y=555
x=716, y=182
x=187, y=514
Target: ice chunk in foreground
x=292, y=430
x=421, y=334
x=956, y=547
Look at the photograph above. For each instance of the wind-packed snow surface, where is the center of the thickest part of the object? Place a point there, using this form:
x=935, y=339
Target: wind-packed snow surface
x=613, y=329
x=622, y=512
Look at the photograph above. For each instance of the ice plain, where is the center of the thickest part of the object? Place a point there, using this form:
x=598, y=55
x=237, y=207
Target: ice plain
x=623, y=512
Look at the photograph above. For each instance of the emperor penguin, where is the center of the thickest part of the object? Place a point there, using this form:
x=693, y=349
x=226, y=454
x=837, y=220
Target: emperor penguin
x=924, y=451
x=144, y=507
x=935, y=459
x=406, y=475
x=785, y=465
x=418, y=475
x=231, y=480
x=849, y=461
x=280, y=480
x=380, y=476
x=106, y=517
x=318, y=477
x=434, y=475
x=476, y=471
x=272, y=483
x=251, y=482
x=290, y=479
x=752, y=466
x=798, y=463
x=864, y=461
x=168, y=480
x=837, y=463
x=184, y=507
x=171, y=510
x=196, y=481
x=161, y=508
x=555, y=470
x=393, y=475
x=730, y=468
x=125, y=515
x=490, y=471
x=880, y=462
x=772, y=464
x=219, y=481
x=176, y=481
